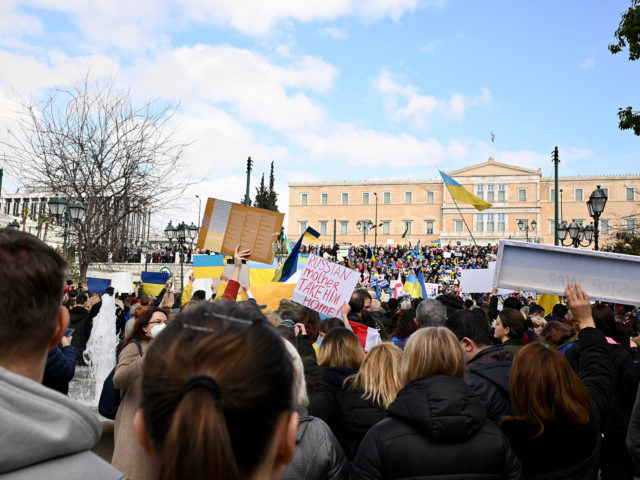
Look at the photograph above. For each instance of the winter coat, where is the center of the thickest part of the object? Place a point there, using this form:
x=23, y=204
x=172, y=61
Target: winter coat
x=79, y=320
x=353, y=418
x=46, y=435
x=513, y=345
x=334, y=377
x=60, y=369
x=436, y=428
x=565, y=450
x=488, y=377
x=318, y=455
x=633, y=435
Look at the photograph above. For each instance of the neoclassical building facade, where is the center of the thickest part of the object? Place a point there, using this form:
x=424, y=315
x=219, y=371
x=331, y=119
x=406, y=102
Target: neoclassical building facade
x=426, y=210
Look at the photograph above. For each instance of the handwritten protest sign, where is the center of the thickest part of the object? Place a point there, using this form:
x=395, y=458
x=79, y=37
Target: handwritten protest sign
x=610, y=277
x=432, y=289
x=324, y=286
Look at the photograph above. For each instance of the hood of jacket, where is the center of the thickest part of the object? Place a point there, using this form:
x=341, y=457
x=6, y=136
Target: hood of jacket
x=495, y=353
x=443, y=407
x=39, y=424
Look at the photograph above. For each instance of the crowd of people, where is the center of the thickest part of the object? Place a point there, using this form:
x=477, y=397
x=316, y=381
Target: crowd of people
x=482, y=387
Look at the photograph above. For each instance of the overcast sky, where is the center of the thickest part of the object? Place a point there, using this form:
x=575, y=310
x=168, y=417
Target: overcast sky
x=344, y=89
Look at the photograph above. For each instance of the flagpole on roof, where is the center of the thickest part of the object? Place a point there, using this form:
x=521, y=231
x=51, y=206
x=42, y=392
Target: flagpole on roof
x=465, y=222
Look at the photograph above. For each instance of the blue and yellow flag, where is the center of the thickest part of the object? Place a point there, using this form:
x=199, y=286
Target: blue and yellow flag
x=459, y=193
x=311, y=234
x=290, y=265
x=352, y=264
x=421, y=290
x=406, y=230
x=153, y=282
x=261, y=273
x=208, y=266
x=409, y=284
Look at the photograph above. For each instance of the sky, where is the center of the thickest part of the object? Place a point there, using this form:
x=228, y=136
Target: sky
x=341, y=89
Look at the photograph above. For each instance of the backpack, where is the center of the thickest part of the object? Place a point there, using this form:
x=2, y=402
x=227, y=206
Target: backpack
x=111, y=397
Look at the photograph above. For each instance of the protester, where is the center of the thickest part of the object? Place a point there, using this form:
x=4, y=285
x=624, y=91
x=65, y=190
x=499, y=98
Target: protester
x=318, y=455
x=488, y=365
x=431, y=313
x=437, y=427
x=366, y=395
x=61, y=366
x=43, y=434
x=128, y=455
x=509, y=329
x=217, y=396
x=340, y=356
x=405, y=326
x=556, y=429
x=79, y=321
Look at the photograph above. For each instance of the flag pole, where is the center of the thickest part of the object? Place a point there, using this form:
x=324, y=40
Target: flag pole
x=465, y=222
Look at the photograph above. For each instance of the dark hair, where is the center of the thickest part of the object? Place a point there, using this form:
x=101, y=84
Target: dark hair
x=225, y=432
x=109, y=291
x=513, y=319
x=535, y=308
x=356, y=302
x=311, y=321
x=468, y=303
x=406, y=324
x=555, y=333
x=605, y=320
x=144, y=300
x=289, y=314
x=330, y=323
x=31, y=290
x=392, y=304
x=198, y=295
x=512, y=302
x=470, y=324
x=142, y=320
x=81, y=298
x=545, y=389
x=559, y=311
x=73, y=293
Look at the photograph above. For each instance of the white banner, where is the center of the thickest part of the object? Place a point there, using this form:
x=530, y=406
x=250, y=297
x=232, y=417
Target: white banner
x=480, y=280
x=609, y=277
x=324, y=286
x=122, y=282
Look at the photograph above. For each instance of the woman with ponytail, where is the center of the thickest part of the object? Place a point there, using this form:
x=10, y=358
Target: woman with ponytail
x=217, y=396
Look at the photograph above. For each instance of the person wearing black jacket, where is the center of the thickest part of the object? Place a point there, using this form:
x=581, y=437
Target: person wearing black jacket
x=437, y=427
x=488, y=366
x=60, y=367
x=79, y=321
x=556, y=430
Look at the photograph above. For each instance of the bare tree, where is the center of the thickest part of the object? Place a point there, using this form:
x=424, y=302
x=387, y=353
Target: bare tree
x=89, y=143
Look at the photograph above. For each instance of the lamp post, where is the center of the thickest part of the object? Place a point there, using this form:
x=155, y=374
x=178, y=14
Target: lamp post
x=146, y=249
x=595, y=204
x=74, y=212
x=180, y=233
x=199, y=206
x=523, y=225
x=364, y=226
x=375, y=238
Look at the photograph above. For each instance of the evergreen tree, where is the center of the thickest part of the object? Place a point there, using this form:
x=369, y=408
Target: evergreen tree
x=272, y=195
x=262, y=196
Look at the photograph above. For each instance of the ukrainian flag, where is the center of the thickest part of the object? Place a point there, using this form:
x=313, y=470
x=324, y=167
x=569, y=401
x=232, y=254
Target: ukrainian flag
x=459, y=193
x=311, y=234
x=261, y=273
x=547, y=302
x=410, y=284
x=153, y=282
x=406, y=230
x=420, y=290
x=290, y=265
x=208, y=266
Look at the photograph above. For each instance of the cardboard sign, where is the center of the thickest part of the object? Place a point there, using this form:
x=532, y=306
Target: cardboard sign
x=324, y=286
x=609, y=277
x=122, y=282
x=226, y=225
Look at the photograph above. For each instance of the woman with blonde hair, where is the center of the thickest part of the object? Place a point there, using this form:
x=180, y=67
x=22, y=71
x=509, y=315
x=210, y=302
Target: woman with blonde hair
x=366, y=395
x=436, y=426
x=340, y=356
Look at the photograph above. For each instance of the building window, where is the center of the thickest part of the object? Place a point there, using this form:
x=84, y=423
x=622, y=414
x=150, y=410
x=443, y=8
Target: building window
x=490, y=224
x=552, y=227
x=501, y=194
x=429, y=227
x=458, y=226
x=386, y=227
x=408, y=198
x=501, y=222
x=630, y=194
x=406, y=225
x=324, y=198
x=577, y=194
x=631, y=225
x=302, y=227
x=552, y=194
x=490, y=193
x=479, y=222
x=480, y=191
x=522, y=194
x=344, y=228
x=386, y=198
x=345, y=198
x=7, y=206
x=604, y=227
x=430, y=196
x=303, y=198
x=323, y=228
x=365, y=198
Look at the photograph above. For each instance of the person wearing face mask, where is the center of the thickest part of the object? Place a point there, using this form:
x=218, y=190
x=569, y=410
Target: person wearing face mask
x=128, y=455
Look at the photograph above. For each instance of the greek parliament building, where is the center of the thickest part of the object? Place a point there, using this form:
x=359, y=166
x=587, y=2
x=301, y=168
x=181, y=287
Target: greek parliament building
x=426, y=208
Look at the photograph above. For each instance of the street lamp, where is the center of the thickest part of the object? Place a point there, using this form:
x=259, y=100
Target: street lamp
x=146, y=249
x=523, y=225
x=75, y=212
x=595, y=204
x=181, y=234
x=13, y=225
x=364, y=226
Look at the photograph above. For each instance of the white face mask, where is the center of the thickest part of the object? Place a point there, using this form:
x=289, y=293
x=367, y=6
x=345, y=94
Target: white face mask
x=156, y=329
